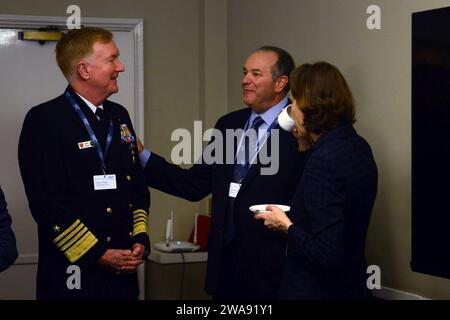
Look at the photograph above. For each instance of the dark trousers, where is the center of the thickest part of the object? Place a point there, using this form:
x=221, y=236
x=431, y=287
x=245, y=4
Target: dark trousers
x=231, y=284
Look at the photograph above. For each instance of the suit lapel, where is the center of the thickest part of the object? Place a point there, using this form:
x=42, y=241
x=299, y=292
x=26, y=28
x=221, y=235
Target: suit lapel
x=99, y=131
x=286, y=139
x=240, y=123
x=90, y=116
x=237, y=122
x=255, y=168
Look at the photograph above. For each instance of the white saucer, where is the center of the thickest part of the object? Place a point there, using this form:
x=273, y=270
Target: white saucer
x=262, y=208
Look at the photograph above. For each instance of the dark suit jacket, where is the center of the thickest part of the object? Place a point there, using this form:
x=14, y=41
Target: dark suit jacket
x=331, y=210
x=8, y=249
x=76, y=223
x=260, y=251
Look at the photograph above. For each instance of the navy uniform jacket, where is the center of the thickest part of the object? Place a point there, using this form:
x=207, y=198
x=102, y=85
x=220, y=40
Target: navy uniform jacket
x=261, y=252
x=331, y=210
x=8, y=249
x=76, y=223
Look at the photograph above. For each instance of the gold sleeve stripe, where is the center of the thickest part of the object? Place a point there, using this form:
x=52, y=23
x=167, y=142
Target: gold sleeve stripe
x=70, y=235
x=141, y=228
x=62, y=235
x=139, y=211
x=139, y=224
x=89, y=244
x=140, y=221
x=79, y=244
x=140, y=215
x=74, y=239
x=81, y=247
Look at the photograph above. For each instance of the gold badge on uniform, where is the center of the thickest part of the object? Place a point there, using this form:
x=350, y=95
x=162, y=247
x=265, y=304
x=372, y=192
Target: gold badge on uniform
x=125, y=134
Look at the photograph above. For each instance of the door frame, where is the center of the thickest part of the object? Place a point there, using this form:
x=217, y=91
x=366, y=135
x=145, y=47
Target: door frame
x=136, y=26
x=113, y=24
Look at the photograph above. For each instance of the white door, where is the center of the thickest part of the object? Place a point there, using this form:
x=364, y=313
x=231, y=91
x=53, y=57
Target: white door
x=29, y=76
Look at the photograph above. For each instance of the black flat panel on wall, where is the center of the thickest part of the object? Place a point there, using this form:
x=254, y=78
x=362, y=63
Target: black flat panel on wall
x=431, y=142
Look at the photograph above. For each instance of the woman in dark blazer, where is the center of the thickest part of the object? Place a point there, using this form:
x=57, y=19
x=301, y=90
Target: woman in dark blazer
x=331, y=208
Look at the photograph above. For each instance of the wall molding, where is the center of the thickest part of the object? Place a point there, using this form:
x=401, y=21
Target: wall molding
x=25, y=21
x=386, y=293
x=170, y=258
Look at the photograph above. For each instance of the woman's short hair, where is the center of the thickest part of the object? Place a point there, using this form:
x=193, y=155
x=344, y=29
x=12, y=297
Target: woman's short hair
x=77, y=44
x=323, y=96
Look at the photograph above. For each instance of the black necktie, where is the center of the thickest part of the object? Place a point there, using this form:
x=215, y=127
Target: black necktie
x=239, y=173
x=241, y=169
x=100, y=113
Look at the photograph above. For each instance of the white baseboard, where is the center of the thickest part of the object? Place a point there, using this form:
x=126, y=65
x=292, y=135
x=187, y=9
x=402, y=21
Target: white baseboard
x=386, y=293
x=172, y=257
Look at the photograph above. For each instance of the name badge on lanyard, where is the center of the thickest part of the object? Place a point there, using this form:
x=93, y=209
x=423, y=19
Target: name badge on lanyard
x=234, y=189
x=104, y=181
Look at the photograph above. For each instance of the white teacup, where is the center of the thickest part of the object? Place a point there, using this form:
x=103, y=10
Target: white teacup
x=285, y=119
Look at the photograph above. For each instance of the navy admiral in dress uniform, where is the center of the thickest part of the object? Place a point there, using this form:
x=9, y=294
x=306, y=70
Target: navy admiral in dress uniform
x=78, y=160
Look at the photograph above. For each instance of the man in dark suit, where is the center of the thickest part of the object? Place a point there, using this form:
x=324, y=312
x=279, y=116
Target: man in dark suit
x=77, y=156
x=244, y=259
x=8, y=249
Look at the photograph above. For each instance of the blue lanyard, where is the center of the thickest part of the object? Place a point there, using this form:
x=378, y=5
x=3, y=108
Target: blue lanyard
x=91, y=132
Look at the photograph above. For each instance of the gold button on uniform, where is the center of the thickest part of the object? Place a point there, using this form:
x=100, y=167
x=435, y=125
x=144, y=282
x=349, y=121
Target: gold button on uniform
x=130, y=234
x=130, y=205
x=108, y=239
x=129, y=178
x=109, y=210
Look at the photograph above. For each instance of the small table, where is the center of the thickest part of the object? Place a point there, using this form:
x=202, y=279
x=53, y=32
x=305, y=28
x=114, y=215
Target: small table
x=176, y=276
